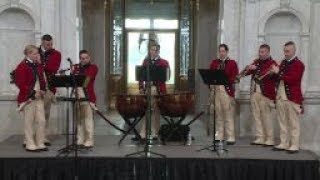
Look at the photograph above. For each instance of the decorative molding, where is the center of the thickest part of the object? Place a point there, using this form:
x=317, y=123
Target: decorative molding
x=262, y=22
x=285, y=3
x=17, y=5
x=8, y=97
x=15, y=1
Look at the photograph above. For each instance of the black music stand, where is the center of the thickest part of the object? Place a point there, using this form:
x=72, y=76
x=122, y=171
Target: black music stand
x=157, y=73
x=213, y=77
x=67, y=81
x=149, y=74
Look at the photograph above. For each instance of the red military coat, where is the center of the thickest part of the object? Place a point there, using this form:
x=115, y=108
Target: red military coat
x=267, y=84
x=89, y=70
x=291, y=74
x=51, y=60
x=231, y=70
x=25, y=77
x=161, y=85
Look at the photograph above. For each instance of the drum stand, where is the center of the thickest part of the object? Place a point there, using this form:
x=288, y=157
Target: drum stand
x=173, y=126
x=146, y=152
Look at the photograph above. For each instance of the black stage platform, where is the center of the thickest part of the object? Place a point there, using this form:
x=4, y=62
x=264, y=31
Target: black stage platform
x=107, y=162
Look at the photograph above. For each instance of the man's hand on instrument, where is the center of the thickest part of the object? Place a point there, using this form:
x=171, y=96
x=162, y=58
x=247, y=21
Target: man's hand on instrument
x=275, y=69
x=39, y=94
x=62, y=72
x=252, y=67
x=23, y=105
x=93, y=106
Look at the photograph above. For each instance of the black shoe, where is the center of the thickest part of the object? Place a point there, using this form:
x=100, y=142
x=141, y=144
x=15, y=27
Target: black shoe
x=292, y=151
x=44, y=149
x=24, y=145
x=29, y=150
x=80, y=146
x=277, y=149
x=266, y=145
x=47, y=144
x=231, y=142
x=256, y=144
x=87, y=147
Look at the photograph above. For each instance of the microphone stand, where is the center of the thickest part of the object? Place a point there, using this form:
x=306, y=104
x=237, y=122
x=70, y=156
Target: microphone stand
x=75, y=115
x=146, y=152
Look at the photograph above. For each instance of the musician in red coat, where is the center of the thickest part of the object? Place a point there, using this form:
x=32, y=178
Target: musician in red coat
x=289, y=98
x=263, y=95
x=31, y=83
x=86, y=124
x=155, y=60
x=224, y=96
x=157, y=88
x=51, y=60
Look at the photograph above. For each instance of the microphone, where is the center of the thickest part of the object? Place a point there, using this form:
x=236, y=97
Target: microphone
x=69, y=60
x=71, y=67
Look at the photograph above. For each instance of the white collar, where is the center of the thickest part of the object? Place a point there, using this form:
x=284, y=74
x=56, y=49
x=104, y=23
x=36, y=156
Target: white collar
x=293, y=57
x=42, y=49
x=156, y=58
x=224, y=58
x=30, y=60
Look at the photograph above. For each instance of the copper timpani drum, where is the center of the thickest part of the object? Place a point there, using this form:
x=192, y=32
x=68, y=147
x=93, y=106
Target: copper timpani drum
x=176, y=105
x=131, y=106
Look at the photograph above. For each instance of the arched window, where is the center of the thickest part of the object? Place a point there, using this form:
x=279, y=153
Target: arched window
x=280, y=28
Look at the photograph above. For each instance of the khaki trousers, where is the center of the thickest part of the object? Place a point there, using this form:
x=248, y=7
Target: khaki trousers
x=261, y=108
x=155, y=116
x=225, y=111
x=288, y=117
x=49, y=98
x=85, y=125
x=34, y=124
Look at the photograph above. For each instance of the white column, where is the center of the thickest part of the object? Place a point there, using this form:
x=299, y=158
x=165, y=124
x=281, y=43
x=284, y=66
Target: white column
x=68, y=30
x=305, y=52
x=47, y=15
x=248, y=47
x=230, y=22
x=314, y=68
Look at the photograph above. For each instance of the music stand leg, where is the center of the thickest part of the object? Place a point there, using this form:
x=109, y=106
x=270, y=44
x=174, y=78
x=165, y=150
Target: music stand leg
x=68, y=148
x=147, y=152
x=213, y=146
x=73, y=146
x=65, y=149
